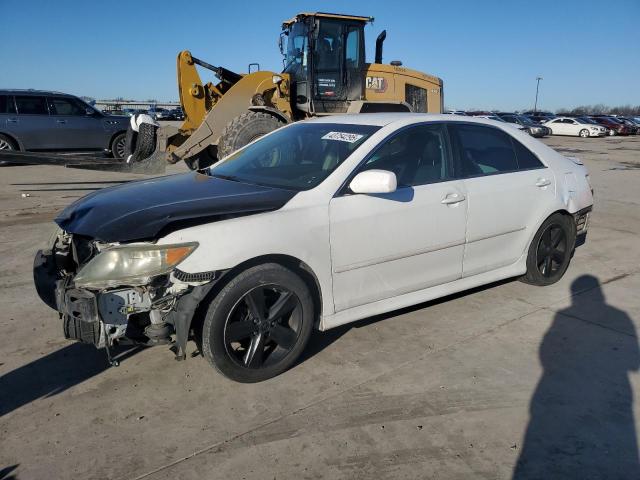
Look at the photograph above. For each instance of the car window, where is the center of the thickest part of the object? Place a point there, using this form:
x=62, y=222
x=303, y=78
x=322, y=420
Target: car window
x=66, y=106
x=417, y=155
x=526, y=158
x=484, y=150
x=31, y=105
x=6, y=104
x=557, y=121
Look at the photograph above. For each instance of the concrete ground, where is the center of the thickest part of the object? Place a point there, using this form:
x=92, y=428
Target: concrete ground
x=507, y=381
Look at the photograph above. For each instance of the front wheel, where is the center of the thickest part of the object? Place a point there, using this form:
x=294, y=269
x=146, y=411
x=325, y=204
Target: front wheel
x=119, y=146
x=612, y=132
x=550, y=251
x=244, y=129
x=6, y=144
x=259, y=324
x=584, y=133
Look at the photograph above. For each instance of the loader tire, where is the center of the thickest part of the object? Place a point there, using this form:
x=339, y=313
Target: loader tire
x=145, y=142
x=244, y=129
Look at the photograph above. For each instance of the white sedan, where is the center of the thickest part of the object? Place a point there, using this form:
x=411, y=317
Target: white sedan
x=315, y=225
x=576, y=127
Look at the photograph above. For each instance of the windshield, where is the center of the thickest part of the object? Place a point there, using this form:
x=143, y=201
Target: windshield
x=525, y=120
x=298, y=157
x=295, y=60
x=586, y=120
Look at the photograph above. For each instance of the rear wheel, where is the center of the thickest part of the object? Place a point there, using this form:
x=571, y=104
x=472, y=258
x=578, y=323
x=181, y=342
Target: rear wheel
x=584, y=133
x=550, y=251
x=244, y=129
x=6, y=144
x=259, y=324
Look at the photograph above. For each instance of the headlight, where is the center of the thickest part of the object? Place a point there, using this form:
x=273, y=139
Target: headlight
x=131, y=265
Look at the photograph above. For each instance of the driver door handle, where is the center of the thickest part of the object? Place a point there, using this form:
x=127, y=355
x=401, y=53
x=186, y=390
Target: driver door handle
x=453, y=198
x=543, y=182
x=61, y=121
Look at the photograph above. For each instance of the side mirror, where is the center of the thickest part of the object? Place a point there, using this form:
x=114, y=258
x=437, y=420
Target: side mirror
x=374, y=181
x=89, y=111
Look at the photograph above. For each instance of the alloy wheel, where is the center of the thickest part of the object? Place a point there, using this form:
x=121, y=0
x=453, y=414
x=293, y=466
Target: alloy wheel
x=263, y=326
x=552, y=250
x=121, y=147
x=4, y=145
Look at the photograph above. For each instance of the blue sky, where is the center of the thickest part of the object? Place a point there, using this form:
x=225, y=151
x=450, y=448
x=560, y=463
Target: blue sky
x=487, y=52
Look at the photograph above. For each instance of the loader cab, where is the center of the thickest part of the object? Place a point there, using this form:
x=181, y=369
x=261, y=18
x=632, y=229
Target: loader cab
x=325, y=58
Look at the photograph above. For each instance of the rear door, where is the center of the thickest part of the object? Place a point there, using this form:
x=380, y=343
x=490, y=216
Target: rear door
x=32, y=124
x=75, y=129
x=508, y=190
x=386, y=245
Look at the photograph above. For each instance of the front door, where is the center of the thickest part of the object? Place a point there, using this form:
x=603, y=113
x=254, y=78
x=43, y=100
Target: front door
x=386, y=245
x=74, y=128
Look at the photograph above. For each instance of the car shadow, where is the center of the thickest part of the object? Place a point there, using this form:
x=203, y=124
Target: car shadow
x=321, y=340
x=581, y=421
x=54, y=373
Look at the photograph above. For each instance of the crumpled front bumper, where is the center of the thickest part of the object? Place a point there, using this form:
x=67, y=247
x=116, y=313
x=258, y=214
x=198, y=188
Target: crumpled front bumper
x=77, y=308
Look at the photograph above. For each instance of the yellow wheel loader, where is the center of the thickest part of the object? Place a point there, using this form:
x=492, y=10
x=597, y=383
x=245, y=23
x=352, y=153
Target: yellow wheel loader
x=325, y=73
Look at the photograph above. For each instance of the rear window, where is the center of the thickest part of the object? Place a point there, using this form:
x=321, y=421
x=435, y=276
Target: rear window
x=31, y=105
x=6, y=104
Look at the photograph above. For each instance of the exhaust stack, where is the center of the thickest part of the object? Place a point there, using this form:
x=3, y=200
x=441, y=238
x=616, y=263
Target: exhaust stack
x=379, y=42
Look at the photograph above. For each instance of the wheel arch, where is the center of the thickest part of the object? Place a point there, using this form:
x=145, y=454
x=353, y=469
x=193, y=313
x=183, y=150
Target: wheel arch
x=562, y=211
x=113, y=137
x=298, y=266
x=14, y=139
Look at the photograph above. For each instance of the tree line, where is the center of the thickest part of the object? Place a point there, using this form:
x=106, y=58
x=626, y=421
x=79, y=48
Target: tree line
x=600, y=109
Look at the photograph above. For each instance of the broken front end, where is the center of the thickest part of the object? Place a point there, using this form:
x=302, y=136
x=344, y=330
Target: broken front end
x=108, y=293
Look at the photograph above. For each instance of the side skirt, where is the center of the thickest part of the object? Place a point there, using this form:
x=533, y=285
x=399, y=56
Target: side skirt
x=413, y=298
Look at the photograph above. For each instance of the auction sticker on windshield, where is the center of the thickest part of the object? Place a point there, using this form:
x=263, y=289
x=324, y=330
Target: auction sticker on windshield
x=343, y=136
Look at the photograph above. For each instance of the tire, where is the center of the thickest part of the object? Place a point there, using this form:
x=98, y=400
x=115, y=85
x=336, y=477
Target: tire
x=6, y=143
x=244, y=129
x=550, y=250
x=145, y=142
x=119, y=146
x=236, y=325
x=584, y=133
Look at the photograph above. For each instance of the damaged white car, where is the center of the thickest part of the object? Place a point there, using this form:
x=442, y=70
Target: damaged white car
x=315, y=225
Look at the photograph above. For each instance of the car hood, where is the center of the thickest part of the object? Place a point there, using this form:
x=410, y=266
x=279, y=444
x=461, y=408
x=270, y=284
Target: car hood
x=140, y=210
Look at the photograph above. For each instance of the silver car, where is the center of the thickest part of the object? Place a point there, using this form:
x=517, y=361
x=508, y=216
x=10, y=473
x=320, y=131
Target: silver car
x=33, y=120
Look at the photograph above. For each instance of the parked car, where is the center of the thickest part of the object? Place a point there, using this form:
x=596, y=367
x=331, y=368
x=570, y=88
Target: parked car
x=158, y=113
x=614, y=127
x=177, y=114
x=455, y=112
x=535, y=129
x=539, y=117
x=633, y=127
x=315, y=225
x=575, y=127
x=496, y=118
x=53, y=121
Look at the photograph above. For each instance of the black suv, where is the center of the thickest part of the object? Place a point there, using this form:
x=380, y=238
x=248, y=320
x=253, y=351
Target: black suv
x=53, y=121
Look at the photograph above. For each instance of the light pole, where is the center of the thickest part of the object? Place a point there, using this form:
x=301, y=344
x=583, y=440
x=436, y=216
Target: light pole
x=535, y=107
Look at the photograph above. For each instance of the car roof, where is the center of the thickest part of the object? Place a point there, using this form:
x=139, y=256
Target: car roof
x=31, y=91
x=405, y=118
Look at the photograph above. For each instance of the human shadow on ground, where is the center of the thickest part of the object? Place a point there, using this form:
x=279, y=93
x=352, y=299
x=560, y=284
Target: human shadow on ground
x=581, y=414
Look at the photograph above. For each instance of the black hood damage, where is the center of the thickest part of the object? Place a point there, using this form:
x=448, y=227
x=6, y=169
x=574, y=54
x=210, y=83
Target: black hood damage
x=141, y=210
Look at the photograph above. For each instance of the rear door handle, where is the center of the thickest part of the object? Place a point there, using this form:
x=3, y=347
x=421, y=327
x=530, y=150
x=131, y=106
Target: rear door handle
x=61, y=121
x=543, y=182
x=12, y=120
x=453, y=198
